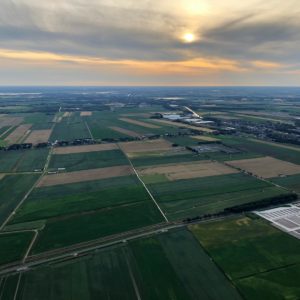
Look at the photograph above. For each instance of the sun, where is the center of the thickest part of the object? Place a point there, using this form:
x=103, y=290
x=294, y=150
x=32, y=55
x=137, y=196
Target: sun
x=189, y=37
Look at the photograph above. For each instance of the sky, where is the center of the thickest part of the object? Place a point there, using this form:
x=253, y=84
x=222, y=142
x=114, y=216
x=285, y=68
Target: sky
x=150, y=42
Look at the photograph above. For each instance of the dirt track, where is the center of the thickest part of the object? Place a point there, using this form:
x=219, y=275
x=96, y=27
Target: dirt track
x=85, y=175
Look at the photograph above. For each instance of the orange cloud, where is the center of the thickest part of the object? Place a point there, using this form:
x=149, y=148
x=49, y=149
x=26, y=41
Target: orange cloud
x=192, y=66
x=261, y=64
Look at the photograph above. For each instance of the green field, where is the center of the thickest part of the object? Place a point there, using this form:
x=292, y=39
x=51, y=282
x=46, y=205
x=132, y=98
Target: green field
x=274, y=150
x=243, y=247
x=70, y=128
x=194, y=197
x=12, y=190
x=157, y=276
x=49, y=202
x=88, y=160
x=8, y=287
x=23, y=160
x=13, y=246
x=276, y=285
x=291, y=182
x=200, y=276
x=39, y=120
x=98, y=224
x=104, y=275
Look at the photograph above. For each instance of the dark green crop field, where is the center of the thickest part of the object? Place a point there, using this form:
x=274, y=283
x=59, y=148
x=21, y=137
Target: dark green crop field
x=10, y=197
x=194, y=197
x=41, y=205
x=200, y=276
x=88, y=160
x=39, y=120
x=157, y=276
x=255, y=255
x=13, y=246
x=70, y=128
x=100, y=276
x=291, y=182
x=23, y=160
x=85, y=227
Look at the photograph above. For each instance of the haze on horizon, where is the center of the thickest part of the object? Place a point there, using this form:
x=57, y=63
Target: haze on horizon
x=157, y=42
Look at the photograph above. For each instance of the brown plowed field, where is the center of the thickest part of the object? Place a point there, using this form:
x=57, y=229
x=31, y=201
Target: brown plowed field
x=38, y=136
x=85, y=148
x=189, y=170
x=18, y=133
x=266, y=167
x=85, y=175
x=86, y=113
x=146, y=146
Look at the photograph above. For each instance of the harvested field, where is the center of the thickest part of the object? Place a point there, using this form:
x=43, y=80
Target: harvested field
x=85, y=175
x=202, y=129
x=67, y=114
x=146, y=146
x=125, y=131
x=10, y=121
x=189, y=170
x=85, y=148
x=139, y=123
x=86, y=113
x=18, y=133
x=38, y=136
x=266, y=167
x=205, y=138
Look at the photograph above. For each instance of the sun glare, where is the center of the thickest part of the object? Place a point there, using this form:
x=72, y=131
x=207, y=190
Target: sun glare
x=189, y=37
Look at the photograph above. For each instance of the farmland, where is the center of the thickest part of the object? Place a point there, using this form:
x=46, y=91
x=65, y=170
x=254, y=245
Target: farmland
x=126, y=194
x=23, y=161
x=87, y=160
x=11, y=197
x=189, y=198
x=253, y=258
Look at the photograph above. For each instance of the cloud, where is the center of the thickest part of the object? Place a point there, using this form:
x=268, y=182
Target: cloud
x=145, y=36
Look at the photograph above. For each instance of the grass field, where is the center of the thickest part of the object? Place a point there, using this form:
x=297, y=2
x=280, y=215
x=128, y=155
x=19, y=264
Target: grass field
x=23, y=160
x=85, y=227
x=49, y=202
x=194, y=197
x=243, y=247
x=13, y=246
x=88, y=160
x=276, y=285
x=10, y=197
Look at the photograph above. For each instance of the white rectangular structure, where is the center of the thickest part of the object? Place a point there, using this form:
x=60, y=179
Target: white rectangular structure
x=285, y=218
